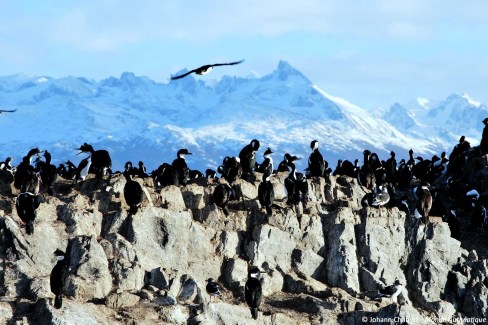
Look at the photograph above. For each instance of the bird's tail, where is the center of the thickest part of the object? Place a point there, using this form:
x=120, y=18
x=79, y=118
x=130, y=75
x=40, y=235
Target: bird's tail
x=58, y=301
x=30, y=228
x=254, y=313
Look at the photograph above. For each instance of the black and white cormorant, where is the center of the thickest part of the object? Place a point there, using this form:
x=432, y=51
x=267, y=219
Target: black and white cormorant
x=133, y=193
x=59, y=277
x=296, y=186
x=366, y=176
x=83, y=169
x=26, y=205
x=180, y=168
x=247, y=156
x=267, y=165
x=424, y=202
x=141, y=171
x=266, y=193
x=101, y=162
x=253, y=291
x=25, y=169
x=283, y=166
x=49, y=173
x=212, y=288
x=484, y=138
x=222, y=194
x=316, y=163
x=391, y=291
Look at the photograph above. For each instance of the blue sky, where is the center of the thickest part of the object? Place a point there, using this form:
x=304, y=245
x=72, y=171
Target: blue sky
x=372, y=53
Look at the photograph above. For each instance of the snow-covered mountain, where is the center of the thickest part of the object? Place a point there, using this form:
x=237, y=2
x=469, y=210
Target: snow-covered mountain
x=136, y=118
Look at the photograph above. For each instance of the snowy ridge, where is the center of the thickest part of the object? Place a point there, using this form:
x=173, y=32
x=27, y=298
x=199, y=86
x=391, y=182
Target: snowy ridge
x=136, y=118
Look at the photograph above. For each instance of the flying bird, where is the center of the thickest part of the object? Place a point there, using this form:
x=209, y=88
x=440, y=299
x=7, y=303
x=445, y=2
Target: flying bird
x=204, y=69
x=7, y=111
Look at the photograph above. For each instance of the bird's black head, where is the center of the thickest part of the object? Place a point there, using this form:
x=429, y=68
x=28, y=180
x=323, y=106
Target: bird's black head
x=85, y=147
x=210, y=280
x=59, y=252
x=33, y=152
x=461, y=140
x=128, y=165
x=268, y=152
x=314, y=145
x=255, y=145
x=410, y=152
x=397, y=282
x=141, y=163
x=367, y=153
x=254, y=271
x=392, y=154
x=183, y=152
x=485, y=121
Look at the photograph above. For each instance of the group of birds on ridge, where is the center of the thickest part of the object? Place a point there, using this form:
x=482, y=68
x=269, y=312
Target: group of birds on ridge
x=383, y=179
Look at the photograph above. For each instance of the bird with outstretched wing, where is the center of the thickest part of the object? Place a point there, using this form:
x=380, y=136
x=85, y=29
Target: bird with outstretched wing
x=204, y=69
x=7, y=110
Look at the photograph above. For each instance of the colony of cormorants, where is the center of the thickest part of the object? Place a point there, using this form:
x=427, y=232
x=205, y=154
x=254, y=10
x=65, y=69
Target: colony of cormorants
x=388, y=184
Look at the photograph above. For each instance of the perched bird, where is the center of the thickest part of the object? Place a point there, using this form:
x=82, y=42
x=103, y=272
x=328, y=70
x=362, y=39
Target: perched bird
x=210, y=173
x=59, y=278
x=424, y=202
x=141, y=171
x=204, y=69
x=267, y=165
x=180, y=167
x=316, y=163
x=6, y=165
x=231, y=169
x=25, y=169
x=165, y=175
x=391, y=291
x=381, y=198
x=7, y=111
x=296, y=186
x=83, y=168
x=283, y=166
x=266, y=193
x=26, y=205
x=48, y=173
x=222, y=194
x=247, y=156
x=6, y=171
x=100, y=159
x=212, y=288
x=253, y=291
x=366, y=176
x=484, y=138
x=133, y=193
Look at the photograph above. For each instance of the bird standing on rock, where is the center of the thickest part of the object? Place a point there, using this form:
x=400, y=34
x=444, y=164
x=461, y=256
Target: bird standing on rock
x=59, y=278
x=212, y=289
x=266, y=193
x=133, y=193
x=247, y=157
x=180, y=168
x=253, y=291
x=26, y=205
x=100, y=159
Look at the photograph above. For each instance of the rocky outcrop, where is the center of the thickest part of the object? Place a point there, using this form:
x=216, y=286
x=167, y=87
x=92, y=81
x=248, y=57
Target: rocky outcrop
x=323, y=260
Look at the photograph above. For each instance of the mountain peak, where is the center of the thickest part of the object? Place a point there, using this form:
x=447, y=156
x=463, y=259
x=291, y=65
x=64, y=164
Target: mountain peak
x=285, y=70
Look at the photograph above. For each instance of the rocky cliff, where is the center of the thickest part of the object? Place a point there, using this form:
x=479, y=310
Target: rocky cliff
x=324, y=261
